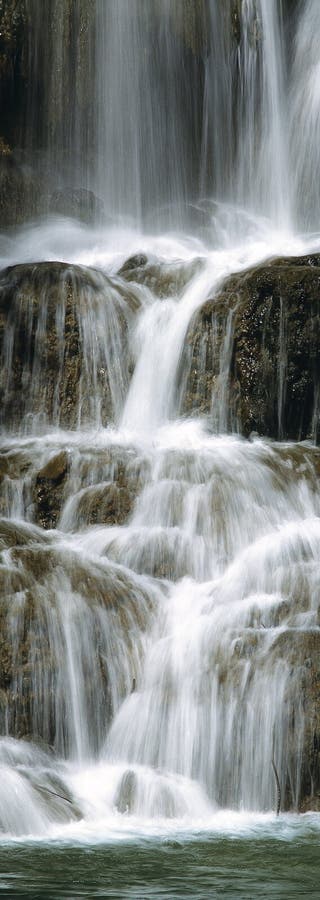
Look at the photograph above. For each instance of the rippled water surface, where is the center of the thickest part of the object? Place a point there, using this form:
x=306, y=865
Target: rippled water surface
x=279, y=860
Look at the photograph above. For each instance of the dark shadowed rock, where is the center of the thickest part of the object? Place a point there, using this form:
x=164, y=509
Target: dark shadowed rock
x=55, y=469
x=77, y=203
x=48, y=490
x=22, y=194
x=255, y=351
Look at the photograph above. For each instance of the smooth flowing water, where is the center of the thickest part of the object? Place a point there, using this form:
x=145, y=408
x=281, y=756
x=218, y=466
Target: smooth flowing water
x=152, y=105
x=156, y=621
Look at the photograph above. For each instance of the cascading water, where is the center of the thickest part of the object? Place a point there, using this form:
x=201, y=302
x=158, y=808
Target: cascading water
x=185, y=99
x=160, y=576
x=245, y=112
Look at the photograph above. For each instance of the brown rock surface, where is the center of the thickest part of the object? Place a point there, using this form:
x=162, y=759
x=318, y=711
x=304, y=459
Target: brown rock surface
x=39, y=580
x=268, y=378
x=51, y=316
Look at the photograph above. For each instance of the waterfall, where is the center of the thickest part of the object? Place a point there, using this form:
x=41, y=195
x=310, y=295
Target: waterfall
x=152, y=552
x=245, y=110
x=305, y=115
x=144, y=111
x=153, y=107
x=159, y=549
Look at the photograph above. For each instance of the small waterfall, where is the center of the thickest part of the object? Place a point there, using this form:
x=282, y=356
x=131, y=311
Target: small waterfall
x=150, y=106
x=145, y=114
x=58, y=126
x=245, y=109
x=69, y=328
x=305, y=116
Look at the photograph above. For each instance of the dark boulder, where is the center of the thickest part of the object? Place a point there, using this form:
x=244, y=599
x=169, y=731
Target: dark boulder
x=254, y=351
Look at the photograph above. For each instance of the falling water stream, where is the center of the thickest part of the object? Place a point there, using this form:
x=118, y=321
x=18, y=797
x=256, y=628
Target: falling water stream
x=150, y=651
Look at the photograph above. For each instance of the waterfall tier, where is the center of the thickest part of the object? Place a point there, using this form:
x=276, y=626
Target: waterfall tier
x=158, y=577
x=140, y=108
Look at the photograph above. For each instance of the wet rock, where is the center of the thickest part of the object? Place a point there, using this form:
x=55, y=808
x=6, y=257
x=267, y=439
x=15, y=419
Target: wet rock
x=110, y=483
x=289, y=651
x=49, y=488
x=191, y=24
x=13, y=66
x=14, y=463
x=19, y=534
x=22, y=292
x=55, y=469
x=126, y=793
x=22, y=193
x=55, y=794
x=52, y=315
x=71, y=489
x=17, y=469
x=109, y=505
x=44, y=567
x=253, y=352
x=302, y=651
x=310, y=804
x=159, y=552
x=138, y=261
x=163, y=279
x=77, y=203
x=12, y=22
x=43, y=588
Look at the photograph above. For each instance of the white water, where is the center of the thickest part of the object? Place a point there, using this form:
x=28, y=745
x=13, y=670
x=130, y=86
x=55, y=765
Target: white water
x=206, y=570
x=207, y=592
x=152, y=105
